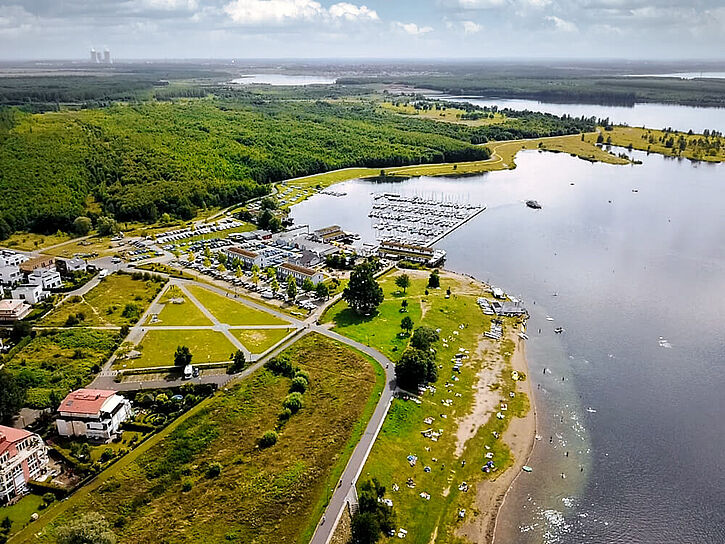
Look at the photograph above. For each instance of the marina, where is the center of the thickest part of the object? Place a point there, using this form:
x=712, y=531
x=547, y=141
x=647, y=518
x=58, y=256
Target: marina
x=414, y=219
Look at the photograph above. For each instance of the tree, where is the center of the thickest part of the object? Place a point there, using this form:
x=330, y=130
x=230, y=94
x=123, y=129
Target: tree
x=270, y=272
x=307, y=285
x=291, y=288
x=221, y=268
x=404, y=306
x=264, y=219
x=274, y=285
x=165, y=218
x=423, y=338
x=293, y=402
x=434, y=280
x=255, y=274
x=415, y=368
x=12, y=396
x=363, y=294
x=374, y=517
x=403, y=281
x=299, y=384
x=182, y=357
x=365, y=528
x=322, y=290
x=239, y=362
x=106, y=226
x=82, y=225
x=407, y=324
x=268, y=203
x=222, y=258
x=91, y=528
x=238, y=272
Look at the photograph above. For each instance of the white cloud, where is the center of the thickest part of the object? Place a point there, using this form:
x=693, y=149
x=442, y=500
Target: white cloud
x=561, y=24
x=469, y=27
x=413, y=29
x=475, y=4
x=536, y=3
x=351, y=12
x=169, y=5
x=256, y=12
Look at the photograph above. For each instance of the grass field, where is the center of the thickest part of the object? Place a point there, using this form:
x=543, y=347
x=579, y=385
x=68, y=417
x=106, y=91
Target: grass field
x=259, y=340
x=30, y=241
x=231, y=312
x=449, y=115
x=106, y=304
x=694, y=146
x=100, y=245
x=60, y=361
x=157, y=348
x=184, y=314
x=461, y=323
x=266, y=496
x=20, y=512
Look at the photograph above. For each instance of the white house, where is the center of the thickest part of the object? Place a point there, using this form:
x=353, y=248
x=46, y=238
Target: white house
x=69, y=266
x=299, y=273
x=11, y=258
x=10, y=274
x=46, y=278
x=32, y=294
x=93, y=413
x=248, y=258
x=23, y=457
x=13, y=310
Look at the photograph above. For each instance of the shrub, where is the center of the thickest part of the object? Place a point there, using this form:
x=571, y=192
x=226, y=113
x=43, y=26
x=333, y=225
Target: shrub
x=186, y=486
x=293, y=402
x=299, y=384
x=281, y=365
x=285, y=414
x=214, y=470
x=268, y=439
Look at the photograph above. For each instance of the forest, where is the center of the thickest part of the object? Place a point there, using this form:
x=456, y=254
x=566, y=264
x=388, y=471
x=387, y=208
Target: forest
x=142, y=159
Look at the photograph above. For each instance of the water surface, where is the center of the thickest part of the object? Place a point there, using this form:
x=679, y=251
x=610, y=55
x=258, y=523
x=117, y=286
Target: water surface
x=283, y=79
x=630, y=407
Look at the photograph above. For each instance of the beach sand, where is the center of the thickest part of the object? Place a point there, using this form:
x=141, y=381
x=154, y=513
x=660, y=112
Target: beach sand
x=490, y=494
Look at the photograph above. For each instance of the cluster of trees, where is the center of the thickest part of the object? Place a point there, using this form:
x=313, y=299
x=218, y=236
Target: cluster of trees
x=293, y=402
x=363, y=293
x=374, y=518
x=417, y=366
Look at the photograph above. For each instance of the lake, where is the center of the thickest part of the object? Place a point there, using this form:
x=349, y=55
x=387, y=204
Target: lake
x=630, y=397
x=656, y=116
x=283, y=79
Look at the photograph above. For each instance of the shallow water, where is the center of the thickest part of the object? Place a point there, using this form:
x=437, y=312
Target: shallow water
x=642, y=421
x=283, y=79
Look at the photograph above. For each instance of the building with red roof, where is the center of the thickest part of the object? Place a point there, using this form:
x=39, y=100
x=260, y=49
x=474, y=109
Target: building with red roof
x=92, y=413
x=23, y=457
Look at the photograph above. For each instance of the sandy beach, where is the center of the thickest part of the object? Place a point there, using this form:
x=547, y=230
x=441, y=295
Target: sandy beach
x=520, y=437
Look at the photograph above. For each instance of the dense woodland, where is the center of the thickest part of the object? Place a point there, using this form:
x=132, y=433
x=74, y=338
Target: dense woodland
x=143, y=158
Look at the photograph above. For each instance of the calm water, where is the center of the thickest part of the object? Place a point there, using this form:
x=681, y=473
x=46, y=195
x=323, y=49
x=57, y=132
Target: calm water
x=656, y=116
x=634, y=387
x=283, y=79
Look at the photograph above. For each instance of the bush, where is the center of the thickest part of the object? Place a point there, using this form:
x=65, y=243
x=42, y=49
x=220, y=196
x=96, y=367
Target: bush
x=214, y=470
x=299, y=384
x=268, y=439
x=293, y=402
x=285, y=414
x=281, y=365
x=186, y=486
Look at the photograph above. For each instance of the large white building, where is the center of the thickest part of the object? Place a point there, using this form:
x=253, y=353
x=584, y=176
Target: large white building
x=92, y=413
x=32, y=294
x=299, y=273
x=10, y=273
x=47, y=278
x=13, y=310
x=23, y=457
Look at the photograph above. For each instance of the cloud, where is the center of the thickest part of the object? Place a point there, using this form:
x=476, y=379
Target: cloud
x=169, y=5
x=413, y=29
x=258, y=12
x=469, y=27
x=560, y=24
x=351, y=12
x=475, y=4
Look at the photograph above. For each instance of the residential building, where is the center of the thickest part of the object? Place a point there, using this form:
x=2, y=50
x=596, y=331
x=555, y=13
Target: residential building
x=70, y=266
x=93, y=413
x=247, y=257
x=411, y=252
x=10, y=274
x=47, y=278
x=11, y=258
x=13, y=310
x=30, y=293
x=299, y=273
x=23, y=457
x=43, y=261
x=329, y=234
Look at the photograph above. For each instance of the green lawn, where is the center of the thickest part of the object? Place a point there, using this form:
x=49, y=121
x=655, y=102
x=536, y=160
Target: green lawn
x=228, y=311
x=20, y=512
x=260, y=340
x=157, y=348
x=59, y=361
x=266, y=496
x=117, y=300
x=184, y=314
x=401, y=435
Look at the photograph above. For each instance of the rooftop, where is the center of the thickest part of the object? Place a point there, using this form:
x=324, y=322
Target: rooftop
x=85, y=401
x=297, y=268
x=10, y=435
x=243, y=252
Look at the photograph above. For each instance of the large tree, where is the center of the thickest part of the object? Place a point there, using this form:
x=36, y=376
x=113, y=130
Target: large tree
x=415, y=368
x=182, y=357
x=12, y=396
x=424, y=338
x=363, y=294
x=403, y=281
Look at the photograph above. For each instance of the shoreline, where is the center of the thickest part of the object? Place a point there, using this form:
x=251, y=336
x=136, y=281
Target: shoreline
x=520, y=438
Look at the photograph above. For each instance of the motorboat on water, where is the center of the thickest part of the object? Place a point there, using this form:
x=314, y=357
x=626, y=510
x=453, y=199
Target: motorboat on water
x=533, y=204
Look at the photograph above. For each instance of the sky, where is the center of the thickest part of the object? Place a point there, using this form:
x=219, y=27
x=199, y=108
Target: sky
x=158, y=29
